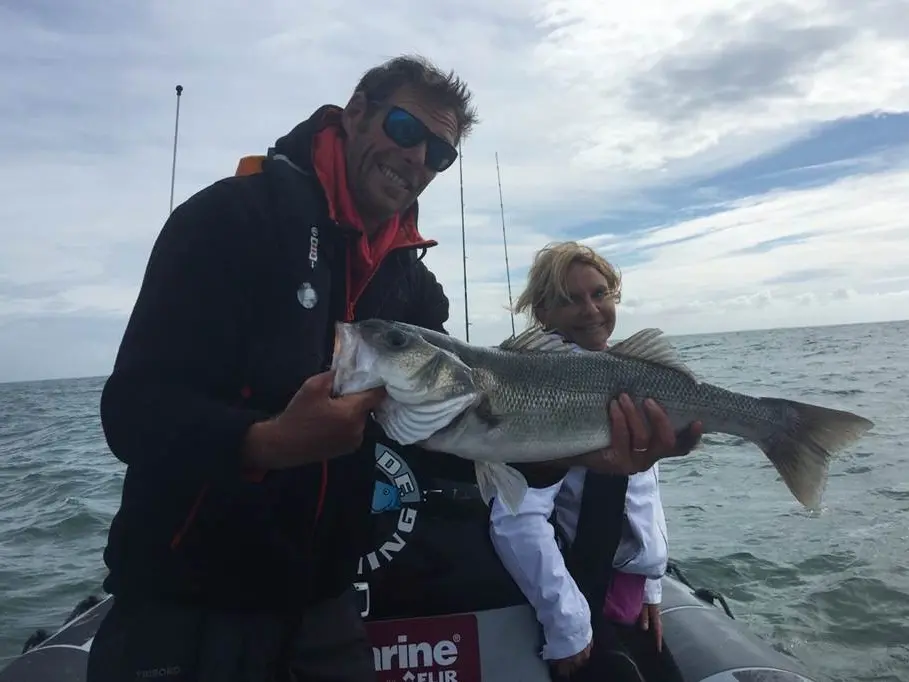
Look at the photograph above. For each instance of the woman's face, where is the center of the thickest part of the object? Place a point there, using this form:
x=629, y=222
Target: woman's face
x=588, y=317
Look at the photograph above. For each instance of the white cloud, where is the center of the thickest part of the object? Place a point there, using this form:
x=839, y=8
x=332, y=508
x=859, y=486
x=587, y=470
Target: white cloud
x=851, y=233
x=847, y=266
x=589, y=106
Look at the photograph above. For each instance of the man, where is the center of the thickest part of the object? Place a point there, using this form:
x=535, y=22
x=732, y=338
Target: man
x=246, y=502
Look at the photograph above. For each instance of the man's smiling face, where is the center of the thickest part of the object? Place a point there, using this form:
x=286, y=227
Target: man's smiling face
x=384, y=177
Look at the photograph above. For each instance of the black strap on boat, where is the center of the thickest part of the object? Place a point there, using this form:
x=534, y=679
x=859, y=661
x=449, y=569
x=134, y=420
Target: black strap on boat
x=39, y=636
x=35, y=639
x=705, y=594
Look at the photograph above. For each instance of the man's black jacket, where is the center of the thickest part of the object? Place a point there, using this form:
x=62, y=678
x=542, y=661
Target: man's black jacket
x=236, y=310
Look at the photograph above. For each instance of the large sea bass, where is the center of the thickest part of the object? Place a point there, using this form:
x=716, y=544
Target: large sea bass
x=536, y=397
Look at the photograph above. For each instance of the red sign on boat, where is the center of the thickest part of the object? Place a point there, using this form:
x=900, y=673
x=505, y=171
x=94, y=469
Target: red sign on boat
x=441, y=649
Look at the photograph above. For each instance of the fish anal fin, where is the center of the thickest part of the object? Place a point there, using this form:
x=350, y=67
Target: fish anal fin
x=495, y=479
x=651, y=346
x=537, y=340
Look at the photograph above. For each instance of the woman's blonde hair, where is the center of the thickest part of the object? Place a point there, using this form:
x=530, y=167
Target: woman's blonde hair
x=546, y=280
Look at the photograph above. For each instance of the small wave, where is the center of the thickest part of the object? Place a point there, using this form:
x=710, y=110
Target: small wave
x=825, y=564
x=842, y=392
x=77, y=524
x=891, y=494
x=861, y=610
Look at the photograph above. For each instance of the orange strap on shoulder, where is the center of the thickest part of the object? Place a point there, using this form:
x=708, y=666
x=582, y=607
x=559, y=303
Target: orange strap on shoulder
x=250, y=165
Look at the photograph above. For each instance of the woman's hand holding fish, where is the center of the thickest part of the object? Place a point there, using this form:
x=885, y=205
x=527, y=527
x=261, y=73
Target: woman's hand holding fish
x=313, y=427
x=634, y=447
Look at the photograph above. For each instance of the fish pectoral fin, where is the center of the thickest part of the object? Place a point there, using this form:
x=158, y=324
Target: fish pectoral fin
x=536, y=340
x=408, y=424
x=484, y=412
x=500, y=480
x=650, y=345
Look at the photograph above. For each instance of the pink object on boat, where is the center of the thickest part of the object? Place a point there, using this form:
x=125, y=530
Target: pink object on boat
x=625, y=598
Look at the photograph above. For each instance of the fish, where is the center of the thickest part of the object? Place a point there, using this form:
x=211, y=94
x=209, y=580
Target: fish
x=537, y=397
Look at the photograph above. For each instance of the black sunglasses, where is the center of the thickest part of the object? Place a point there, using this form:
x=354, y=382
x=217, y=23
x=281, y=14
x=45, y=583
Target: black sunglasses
x=406, y=131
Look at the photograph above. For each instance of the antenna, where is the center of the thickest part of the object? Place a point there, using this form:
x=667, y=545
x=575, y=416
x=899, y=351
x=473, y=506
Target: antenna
x=505, y=244
x=173, y=169
x=463, y=243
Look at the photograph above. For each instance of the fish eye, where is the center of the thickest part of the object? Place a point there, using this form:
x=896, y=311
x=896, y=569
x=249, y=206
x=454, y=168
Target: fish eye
x=396, y=338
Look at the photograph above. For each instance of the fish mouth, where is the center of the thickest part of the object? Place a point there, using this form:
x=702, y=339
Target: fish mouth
x=352, y=361
x=336, y=347
x=340, y=357
x=345, y=340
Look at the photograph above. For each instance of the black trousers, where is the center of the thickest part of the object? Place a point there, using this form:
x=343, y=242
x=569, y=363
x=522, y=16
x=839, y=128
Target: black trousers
x=167, y=642
x=625, y=653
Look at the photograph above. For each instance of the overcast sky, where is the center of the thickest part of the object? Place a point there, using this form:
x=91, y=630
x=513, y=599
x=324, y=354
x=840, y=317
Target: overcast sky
x=744, y=163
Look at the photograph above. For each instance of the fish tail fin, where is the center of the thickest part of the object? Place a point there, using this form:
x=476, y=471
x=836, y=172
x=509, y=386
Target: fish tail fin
x=502, y=481
x=802, y=449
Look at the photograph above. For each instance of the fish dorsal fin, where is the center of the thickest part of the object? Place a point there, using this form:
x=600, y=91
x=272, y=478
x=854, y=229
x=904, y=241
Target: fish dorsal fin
x=652, y=346
x=536, y=340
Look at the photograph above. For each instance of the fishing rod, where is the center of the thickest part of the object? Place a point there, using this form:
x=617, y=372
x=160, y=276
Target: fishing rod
x=505, y=244
x=173, y=169
x=463, y=243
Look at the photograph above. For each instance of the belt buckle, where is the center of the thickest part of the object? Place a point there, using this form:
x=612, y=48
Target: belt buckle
x=361, y=587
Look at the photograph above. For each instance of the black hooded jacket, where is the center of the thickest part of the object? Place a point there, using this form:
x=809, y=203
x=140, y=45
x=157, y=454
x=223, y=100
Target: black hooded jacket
x=235, y=312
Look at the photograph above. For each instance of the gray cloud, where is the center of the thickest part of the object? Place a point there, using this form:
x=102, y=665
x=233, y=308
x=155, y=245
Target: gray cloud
x=727, y=62
x=10, y=289
x=884, y=18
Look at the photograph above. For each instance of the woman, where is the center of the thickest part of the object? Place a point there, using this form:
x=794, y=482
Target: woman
x=574, y=291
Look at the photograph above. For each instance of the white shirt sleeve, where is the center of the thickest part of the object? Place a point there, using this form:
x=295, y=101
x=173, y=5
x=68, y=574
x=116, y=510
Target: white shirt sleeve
x=526, y=545
x=653, y=591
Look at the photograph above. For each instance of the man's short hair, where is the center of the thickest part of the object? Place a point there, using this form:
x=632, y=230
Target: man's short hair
x=443, y=89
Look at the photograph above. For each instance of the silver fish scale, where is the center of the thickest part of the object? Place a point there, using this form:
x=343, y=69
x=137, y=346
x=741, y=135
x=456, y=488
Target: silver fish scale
x=558, y=401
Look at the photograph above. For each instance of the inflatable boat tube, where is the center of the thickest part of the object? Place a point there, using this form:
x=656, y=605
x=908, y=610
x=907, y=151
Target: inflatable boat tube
x=498, y=645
